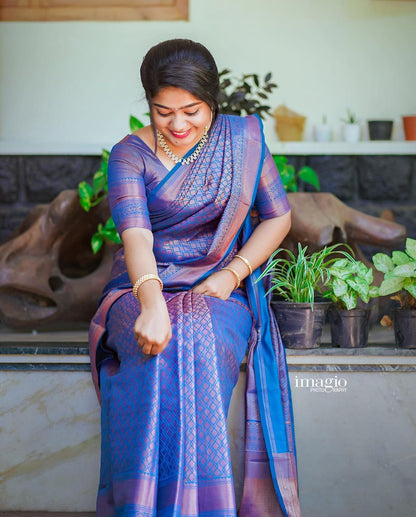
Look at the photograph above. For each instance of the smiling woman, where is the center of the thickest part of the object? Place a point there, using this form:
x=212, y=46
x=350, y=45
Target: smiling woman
x=183, y=304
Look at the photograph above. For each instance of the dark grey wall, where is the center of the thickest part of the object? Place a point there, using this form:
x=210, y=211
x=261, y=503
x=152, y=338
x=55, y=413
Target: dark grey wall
x=370, y=183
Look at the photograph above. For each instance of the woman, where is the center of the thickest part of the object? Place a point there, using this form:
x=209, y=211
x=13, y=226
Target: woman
x=182, y=305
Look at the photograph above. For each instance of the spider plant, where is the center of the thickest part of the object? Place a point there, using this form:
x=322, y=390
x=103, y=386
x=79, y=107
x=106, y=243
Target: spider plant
x=297, y=278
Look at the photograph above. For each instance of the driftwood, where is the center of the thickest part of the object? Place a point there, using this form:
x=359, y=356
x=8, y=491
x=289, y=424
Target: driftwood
x=48, y=272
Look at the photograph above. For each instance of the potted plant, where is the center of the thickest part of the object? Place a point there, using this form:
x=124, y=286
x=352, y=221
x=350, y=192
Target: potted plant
x=245, y=95
x=352, y=127
x=348, y=281
x=323, y=131
x=400, y=281
x=295, y=281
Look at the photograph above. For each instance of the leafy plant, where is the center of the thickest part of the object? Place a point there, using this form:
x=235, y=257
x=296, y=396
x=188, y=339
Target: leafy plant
x=296, y=278
x=290, y=177
x=90, y=195
x=245, y=95
x=351, y=118
x=348, y=280
x=399, y=274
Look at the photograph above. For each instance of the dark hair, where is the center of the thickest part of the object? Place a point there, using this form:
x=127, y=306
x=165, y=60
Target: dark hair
x=185, y=64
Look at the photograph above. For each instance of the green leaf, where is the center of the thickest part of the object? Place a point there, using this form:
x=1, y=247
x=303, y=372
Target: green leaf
x=339, y=287
x=400, y=258
x=411, y=247
x=135, y=124
x=85, y=193
x=96, y=242
x=105, y=155
x=383, y=262
x=360, y=287
x=411, y=288
x=391, y=285
x=374, y=291
x=339, y=273
x=405, y=271
x=350, y=301
x=308, y=175
x=99, y=181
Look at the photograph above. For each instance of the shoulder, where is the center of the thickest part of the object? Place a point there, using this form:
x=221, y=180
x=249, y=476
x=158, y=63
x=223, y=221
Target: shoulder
x=250, y=127
x=133, y=148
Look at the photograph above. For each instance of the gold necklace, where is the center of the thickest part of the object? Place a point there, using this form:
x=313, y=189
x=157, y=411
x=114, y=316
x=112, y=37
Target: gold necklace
x=191, y=158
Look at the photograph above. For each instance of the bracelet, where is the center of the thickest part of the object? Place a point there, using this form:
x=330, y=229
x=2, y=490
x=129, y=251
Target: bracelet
x=234, y=272
x=145, y=278
x=246, y=262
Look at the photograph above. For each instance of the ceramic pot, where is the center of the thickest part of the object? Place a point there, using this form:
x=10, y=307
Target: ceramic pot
x=352, y=132
x=409, y=126
x=380, y=129
x=300, y=326
x=323, y=133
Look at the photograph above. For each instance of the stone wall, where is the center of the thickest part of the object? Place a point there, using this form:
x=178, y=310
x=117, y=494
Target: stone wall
x=26, y=181
x=370, y=183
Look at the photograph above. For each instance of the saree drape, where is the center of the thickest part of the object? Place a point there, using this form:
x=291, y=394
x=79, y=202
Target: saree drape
x=164, y=438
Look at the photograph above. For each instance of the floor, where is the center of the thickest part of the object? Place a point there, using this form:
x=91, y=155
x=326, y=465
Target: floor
x=46, y=514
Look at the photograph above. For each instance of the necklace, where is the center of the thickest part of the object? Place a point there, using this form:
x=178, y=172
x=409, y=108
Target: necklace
x=191, y=158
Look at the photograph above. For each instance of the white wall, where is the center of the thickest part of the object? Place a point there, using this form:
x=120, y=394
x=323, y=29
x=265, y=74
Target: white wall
x=77, y=82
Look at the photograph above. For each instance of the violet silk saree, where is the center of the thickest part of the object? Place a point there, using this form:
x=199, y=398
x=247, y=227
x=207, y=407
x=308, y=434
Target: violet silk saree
x=165, y=448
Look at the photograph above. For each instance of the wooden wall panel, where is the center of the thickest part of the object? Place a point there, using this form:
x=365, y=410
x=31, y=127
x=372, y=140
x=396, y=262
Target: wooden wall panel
x=108, y=10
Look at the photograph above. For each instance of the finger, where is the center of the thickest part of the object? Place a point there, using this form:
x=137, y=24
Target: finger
x=147, y=347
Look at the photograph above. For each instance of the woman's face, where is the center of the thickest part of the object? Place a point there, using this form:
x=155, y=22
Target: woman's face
x=180, y=117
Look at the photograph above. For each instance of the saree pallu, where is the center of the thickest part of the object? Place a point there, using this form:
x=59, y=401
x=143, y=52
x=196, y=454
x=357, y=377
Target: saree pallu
x=164, y=437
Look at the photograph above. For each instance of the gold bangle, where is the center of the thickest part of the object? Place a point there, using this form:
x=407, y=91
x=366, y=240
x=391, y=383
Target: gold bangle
x=145, y=278
x=246, y=262
x=234, y=272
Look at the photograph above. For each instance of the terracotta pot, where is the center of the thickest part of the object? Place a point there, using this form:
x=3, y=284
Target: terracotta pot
x=409, y=126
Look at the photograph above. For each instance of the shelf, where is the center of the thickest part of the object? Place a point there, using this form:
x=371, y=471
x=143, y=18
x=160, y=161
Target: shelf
x=284, y=148
x=343, y=148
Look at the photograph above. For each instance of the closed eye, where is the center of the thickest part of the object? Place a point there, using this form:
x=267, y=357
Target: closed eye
x=191, y=114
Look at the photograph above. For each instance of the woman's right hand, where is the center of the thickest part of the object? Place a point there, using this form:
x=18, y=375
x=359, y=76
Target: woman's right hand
x=152, y=329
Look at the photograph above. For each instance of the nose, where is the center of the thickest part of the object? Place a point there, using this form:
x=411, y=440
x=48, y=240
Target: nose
x=178, y=123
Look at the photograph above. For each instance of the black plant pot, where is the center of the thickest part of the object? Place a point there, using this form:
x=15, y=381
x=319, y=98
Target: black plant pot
x=349, y=329
x=300, y=326
x=405, y=328
x=380, y=129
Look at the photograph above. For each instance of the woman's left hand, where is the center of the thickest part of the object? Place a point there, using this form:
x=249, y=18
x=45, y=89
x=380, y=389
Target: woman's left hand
x=220, y=285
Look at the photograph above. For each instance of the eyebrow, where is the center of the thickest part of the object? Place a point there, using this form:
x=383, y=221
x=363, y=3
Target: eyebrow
x=175, y=109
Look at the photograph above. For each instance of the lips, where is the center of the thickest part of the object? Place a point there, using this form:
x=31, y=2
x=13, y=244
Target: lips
x=180, y=135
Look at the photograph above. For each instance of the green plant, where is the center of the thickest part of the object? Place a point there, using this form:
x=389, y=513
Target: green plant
x=351, y=118
x=348, y=280
x=399, y=274
x=245, y=95
x=297, y=278
x=90, y=195
x=290, y=177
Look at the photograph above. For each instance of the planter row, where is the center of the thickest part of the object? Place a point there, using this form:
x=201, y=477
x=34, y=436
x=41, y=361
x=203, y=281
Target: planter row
x=301, y=327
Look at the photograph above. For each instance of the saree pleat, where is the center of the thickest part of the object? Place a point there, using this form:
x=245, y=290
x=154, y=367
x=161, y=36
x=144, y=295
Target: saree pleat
x=165, y=450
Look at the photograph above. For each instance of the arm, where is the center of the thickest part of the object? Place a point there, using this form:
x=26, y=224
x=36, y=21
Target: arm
x=265, y=239
x=152, y=328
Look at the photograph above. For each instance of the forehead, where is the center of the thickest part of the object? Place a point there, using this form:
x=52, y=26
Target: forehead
x=174, y=98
